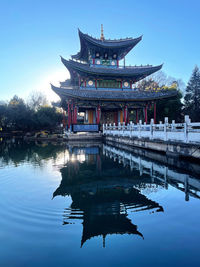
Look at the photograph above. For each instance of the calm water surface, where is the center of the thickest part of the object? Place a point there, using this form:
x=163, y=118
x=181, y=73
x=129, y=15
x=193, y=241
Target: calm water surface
x=78, y=205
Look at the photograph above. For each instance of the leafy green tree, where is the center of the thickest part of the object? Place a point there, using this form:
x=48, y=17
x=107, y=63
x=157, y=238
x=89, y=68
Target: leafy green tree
x=47, y=117
x=171, y=108
x=3, y=116
x=19, y=115
x=192, y=96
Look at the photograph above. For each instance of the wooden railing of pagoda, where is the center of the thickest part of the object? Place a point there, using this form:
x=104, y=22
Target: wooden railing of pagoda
x=113, y=66
x=119, y=66
x=186, y=132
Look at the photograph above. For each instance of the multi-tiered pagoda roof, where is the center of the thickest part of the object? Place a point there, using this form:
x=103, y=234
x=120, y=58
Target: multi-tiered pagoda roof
x=97, y=79
x=90, y=45
x=135, y=73
x=98, y=60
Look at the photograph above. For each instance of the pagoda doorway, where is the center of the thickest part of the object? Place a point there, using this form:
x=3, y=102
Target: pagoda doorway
x=114, y=116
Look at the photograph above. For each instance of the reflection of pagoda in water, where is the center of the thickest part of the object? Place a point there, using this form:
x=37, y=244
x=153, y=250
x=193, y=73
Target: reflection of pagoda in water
x=101, y=197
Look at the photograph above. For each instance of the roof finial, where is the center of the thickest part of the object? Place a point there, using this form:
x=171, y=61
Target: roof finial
x=102, y=36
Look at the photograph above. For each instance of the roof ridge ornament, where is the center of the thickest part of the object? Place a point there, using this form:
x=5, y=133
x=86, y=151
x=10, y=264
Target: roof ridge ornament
x=102, y=35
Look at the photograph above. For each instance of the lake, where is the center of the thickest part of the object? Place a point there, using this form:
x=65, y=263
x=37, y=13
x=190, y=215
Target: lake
x=96, y=205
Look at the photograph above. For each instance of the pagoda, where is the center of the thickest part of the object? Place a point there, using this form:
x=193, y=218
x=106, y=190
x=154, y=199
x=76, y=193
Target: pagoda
x=102, y=89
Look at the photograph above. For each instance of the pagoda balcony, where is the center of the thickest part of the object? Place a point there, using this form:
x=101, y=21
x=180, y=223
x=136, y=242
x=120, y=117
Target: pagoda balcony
x=133, y=73
x=112, y=66
x=119, y=66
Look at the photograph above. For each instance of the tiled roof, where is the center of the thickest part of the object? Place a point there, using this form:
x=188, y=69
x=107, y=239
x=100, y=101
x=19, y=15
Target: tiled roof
x=120, y=46
x=110, y=43
x=136, y=73
x=112, y=95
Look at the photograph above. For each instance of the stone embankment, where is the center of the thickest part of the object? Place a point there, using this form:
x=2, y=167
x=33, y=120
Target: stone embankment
x=175, y=139
x=170, y=148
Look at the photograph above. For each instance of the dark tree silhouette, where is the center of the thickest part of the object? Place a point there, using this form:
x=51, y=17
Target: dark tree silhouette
x=192, y=96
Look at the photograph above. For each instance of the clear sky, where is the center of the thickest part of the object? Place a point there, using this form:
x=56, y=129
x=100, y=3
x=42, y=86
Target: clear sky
x=34, y=33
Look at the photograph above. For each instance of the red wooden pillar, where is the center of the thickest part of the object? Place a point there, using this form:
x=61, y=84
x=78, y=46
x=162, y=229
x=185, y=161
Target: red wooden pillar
x=121, y=84
x=69, y=116
x=72, y=113
x=64, y=122
x=146, y=113
x=125, y=114
x=96, y=83
x=98, y=114
x=117, y=63
x=136, y=115
x=154, y=109
x=116, y=117
x=75, y=115
x=93, y=61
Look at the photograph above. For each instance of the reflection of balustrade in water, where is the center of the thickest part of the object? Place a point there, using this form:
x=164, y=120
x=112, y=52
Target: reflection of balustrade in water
x=181, y=181
x=186, y=132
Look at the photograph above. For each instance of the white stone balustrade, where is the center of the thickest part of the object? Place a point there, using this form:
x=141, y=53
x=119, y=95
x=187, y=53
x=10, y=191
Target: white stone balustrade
x=186, y=132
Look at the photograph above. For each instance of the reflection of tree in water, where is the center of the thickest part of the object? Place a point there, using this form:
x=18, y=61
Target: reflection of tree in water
x=102, y=193
x=17, y=151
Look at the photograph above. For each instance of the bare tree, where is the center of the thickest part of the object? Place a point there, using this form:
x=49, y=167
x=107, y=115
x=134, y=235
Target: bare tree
x=160, y=79
x=36, y=100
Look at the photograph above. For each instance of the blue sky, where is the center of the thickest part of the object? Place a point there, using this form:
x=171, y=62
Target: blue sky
x=34, y=33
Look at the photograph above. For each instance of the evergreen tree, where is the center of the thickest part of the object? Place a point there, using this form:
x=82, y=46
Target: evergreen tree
x=192, y=96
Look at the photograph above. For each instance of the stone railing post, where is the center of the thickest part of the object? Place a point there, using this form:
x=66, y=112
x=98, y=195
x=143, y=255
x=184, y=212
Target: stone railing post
x=131, y=128
x=110, y=127
x=114, y=128
x=165, y=129
x=187, y=121
x=140, y=123
x=119, y=128
x=151, y=128
x=123, y=128
x=173, y=125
